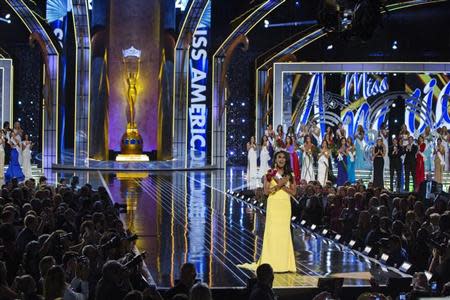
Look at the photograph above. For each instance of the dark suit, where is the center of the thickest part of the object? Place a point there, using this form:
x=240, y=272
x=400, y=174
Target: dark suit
x=423, y=191
x=262, y=292
x=410, y=165
x=395, y=165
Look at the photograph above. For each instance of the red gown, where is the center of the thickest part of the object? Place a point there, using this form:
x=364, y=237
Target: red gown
x=420, y=165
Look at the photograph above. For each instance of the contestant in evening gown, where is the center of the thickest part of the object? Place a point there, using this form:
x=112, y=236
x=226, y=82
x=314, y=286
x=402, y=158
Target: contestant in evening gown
x=295, y=164
x=26, y=157
x=264, y=157
x=351, y=152
x=341, y=159
x=278, y=249
x=360, y=158
x=429, y=141
x=252, y=166
x=420, y=161
x=14, y=169
x=2, y=154
x=439, y=162
x=308, y=160
x=323, y=164
x=378, y=163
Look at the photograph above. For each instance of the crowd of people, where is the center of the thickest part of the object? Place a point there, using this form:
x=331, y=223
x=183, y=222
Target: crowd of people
x=66, y=242
x=15, y=151
x=313, y=157
x=406, y=227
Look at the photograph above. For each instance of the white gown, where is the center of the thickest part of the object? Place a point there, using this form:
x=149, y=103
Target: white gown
x=19, y=149
x=322, y=170
x=264, y=161
x=386, y=156
x=307, y=168
x=445, y=144
x=26, y=161
x=2, y=159
x=252, y=169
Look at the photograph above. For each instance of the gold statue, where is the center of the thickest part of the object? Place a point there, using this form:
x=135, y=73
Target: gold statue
x=131, y=61
x=131, y=146
x=132, y=95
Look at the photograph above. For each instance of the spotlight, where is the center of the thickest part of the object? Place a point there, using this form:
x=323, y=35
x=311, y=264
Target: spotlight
x=232, y=104
x=330, y=47
x=242, y=197
x=394, y=105
x=395, y=45
x=395, y=74
x=367, y=251
x=243, y=136
x=231, y=136
x=232, y=120
x=395, y=121
x=243, y=103
x=261, y=204
x=352, y=244
x=231, y=152
x=243, y=120
x=297, y=3
x=393, y=136
x=293, y=218
x=7, y=16
x=266, y=23
x=255, y=202
x=228, y=191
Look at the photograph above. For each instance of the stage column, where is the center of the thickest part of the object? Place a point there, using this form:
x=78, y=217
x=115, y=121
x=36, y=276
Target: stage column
x=134, y=23
x=82, y=80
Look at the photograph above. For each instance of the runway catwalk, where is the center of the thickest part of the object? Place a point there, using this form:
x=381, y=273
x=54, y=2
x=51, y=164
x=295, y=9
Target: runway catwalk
x=188, y=216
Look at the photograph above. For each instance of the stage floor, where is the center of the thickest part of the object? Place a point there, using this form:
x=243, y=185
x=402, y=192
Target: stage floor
x=188, y=216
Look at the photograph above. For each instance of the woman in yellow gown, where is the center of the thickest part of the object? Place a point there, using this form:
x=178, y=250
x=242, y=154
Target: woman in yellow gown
x=278, y=249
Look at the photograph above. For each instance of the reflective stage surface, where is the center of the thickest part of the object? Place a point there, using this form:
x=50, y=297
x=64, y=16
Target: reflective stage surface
x=187, y=216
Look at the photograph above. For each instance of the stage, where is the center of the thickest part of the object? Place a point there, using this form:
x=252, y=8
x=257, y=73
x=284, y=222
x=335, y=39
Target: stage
x=189, y=216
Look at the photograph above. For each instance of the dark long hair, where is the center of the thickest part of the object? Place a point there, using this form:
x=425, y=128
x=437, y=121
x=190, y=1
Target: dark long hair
x=287, y=170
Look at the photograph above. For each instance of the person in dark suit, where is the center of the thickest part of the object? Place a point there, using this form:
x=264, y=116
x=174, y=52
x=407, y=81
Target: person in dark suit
x=428, y=189
x=7, y=133
x=184, y=285
x=395, y=163
x=263, y=288
x=410, y=151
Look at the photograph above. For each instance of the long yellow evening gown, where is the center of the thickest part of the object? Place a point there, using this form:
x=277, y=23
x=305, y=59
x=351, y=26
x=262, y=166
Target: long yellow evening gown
x=277, y=250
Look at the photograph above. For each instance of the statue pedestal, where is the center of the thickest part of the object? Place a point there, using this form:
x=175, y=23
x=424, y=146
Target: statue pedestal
x=131, y=146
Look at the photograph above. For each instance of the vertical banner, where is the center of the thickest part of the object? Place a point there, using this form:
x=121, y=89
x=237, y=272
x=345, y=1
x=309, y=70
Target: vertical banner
x=199, y=105
x=57, y=19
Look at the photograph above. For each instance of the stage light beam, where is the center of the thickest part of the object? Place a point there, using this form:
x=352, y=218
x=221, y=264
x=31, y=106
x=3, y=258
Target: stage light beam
x=330, y=47
x=395, y=45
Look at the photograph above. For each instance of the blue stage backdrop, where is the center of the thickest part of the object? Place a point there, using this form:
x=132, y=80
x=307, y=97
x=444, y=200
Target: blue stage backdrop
x=369, y=100
x=199, y=101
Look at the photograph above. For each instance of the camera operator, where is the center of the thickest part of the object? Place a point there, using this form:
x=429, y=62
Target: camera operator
x=397, y=254
x=187, y=280
x=133, y=266
x=114, y=284
x=440, y=263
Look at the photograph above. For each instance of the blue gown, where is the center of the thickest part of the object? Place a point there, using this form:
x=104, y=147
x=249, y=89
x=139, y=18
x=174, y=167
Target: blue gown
x=429, y=154
x=351, y=170
x=360, y=159
x=14, y=169
x=342, y=176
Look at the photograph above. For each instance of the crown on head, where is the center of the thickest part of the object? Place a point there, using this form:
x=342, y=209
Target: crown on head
x=131, y=52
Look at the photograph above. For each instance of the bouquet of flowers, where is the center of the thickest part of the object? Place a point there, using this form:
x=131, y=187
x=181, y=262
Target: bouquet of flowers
x=271, y=173
x=279, y=143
